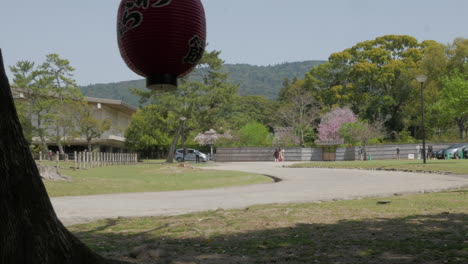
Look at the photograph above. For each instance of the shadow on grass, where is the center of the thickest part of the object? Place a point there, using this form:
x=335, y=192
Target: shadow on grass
x=439, y=238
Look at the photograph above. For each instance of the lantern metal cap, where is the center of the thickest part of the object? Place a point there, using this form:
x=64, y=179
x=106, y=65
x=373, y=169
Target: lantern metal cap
x=163, y=82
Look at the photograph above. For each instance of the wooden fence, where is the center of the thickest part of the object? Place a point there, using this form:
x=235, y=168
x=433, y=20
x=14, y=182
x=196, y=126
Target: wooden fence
x=87, y=160
x=375, y=152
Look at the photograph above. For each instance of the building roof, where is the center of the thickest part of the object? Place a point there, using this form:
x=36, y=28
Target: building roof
x=116, y=104
x=18, y=93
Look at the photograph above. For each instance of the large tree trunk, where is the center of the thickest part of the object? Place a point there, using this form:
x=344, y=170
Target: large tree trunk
x=172, y=148
x=30, y=230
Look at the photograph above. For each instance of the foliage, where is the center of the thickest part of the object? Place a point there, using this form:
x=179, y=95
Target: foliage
x=250, y=108
x=453, y=103
x=300, y=111
x=373, y=77
x=360, y=132
x=331, y=122
x=148, y=127
x=405, y=137
x=25, y=121
x=202, y=105
x=50, y=93
x=253, y=135
x=88, y=126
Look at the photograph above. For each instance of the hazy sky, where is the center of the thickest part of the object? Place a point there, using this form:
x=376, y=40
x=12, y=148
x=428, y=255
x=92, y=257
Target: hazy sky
x=259, y=32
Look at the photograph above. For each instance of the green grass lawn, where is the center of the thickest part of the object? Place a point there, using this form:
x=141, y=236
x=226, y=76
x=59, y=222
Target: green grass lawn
x=422, y=228
x=449, y=166
x=147, y=178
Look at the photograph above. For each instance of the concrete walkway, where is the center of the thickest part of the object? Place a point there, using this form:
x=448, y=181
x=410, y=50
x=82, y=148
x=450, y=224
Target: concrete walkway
x=297, y=185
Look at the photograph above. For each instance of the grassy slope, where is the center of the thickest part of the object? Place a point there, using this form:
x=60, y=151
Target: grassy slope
x=423, y=228
x=146, y=178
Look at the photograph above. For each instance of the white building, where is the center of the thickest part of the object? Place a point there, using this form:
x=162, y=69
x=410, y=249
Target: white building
x=113, y=140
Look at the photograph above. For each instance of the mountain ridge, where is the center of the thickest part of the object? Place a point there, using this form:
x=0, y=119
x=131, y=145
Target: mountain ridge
x=265, y=81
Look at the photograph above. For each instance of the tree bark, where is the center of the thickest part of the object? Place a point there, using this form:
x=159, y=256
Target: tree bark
x=59, y=142
x=30, y=230
x=172, y=149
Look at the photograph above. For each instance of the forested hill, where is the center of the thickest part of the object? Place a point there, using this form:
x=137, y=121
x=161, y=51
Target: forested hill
x=252, y=80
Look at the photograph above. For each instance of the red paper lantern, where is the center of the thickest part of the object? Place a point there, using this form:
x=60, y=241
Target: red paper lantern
x=161, y=40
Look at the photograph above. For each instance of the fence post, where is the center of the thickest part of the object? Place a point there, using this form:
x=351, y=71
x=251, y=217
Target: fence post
x=80, y=165
x=86, y=159
x=79, y=160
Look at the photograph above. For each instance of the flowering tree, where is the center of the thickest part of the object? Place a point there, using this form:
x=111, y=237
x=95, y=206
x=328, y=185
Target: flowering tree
x=208, y=138
x=332, y=121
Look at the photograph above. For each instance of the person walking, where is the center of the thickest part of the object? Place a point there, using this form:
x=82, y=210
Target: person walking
x=398, y=152
x=276, y=155
x=197, y=156
x=361, y=153
x=429, y=152
x=281, y=155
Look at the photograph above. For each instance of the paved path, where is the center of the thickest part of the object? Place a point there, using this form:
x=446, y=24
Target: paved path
x=297, y=185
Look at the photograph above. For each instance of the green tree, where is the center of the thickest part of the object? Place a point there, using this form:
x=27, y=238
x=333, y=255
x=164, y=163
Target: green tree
x=254, y=135
x=300, y=111
x=36, y=89
x=202, y=104
x=50, y=93
x=360, y=132
x=149, y=128
x=65, y=94
x=373, y=77
x=453, y=103
x=23, y=115
x=458, y=56
x=87, y=125
x=249, y=108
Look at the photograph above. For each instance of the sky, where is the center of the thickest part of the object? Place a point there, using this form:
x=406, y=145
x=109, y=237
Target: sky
x=258, y=32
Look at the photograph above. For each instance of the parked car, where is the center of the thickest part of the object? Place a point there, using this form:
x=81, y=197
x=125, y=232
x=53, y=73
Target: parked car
x=190, y=155
x=465, y=152
x=454, y=151
x=439, y=154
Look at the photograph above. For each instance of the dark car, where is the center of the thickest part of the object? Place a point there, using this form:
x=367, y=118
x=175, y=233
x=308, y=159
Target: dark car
x=454, y=151
x=439, y=154
x=465, y=153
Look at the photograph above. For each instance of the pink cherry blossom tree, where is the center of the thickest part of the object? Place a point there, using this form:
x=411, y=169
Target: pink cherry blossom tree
x=332, y=121
x=209, y=138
